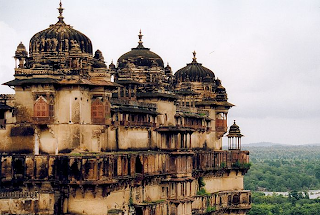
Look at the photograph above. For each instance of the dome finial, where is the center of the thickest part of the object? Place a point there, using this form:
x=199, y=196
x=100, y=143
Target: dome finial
x=60, y=9
x=140, y=40
x=194, y=59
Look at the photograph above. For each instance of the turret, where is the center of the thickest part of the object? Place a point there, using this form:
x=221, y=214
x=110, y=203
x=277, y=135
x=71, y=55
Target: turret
x=234, y=137
x=98, y=60
x=168, y=70
x=20, y=55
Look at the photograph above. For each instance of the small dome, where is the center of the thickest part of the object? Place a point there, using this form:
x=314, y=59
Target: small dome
x=167, y=69
x=98, y=60
x=59, y=37
x=112, y=66
x=21, y=51
x=194, y=72
x=98, y=55
x=221, y=94
x=140, y=56
x=234, y=130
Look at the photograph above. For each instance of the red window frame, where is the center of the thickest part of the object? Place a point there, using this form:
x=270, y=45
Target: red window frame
x=97, y=111
x=41, y=108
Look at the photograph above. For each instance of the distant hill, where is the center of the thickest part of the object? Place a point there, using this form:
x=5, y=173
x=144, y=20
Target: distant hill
x=270, y=144
x=271, y=151
x=262, y=144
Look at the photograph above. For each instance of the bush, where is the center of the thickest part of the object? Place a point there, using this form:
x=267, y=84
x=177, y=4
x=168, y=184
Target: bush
x=202, y=192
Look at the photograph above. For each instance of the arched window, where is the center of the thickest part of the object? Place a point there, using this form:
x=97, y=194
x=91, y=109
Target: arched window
x=41, y=107
x=97, y=111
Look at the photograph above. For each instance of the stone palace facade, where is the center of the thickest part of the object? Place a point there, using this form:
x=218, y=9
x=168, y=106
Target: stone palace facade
x=81, y=137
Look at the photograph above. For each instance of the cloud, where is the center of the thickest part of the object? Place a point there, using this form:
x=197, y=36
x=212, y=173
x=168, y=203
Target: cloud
x=265, y=52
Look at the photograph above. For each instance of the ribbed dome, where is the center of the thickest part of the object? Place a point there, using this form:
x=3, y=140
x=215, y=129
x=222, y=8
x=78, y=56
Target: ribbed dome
x=140, y=56
x=194, y=72
x=59, y=37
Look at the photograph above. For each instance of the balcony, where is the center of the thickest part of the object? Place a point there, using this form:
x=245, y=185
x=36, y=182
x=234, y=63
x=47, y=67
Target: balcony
x=221, y=125
x=225, y=201
x=218, y=160
x=42, y=120
x=137, y=124
x=123, y=102
x=197, y=127
x=99, y=121
x=108, y=168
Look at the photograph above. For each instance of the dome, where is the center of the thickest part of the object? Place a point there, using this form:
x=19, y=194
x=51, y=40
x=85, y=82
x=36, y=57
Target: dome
x=59, y=37
x=112, y=66
x=221, y=94
x=167, y=69
x=98, y=60
x=234, y=130
x=140, y=56
x=194, y=72
x=21, y=51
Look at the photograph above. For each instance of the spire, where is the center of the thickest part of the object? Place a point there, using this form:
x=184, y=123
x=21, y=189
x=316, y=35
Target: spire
x=140, y=40
x=60, y=9
x=194, y=59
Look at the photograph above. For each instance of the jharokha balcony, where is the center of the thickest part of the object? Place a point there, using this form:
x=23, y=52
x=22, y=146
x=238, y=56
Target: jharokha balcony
x=221, y=125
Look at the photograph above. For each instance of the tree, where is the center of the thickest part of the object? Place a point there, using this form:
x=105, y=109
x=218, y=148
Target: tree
x=317, y=172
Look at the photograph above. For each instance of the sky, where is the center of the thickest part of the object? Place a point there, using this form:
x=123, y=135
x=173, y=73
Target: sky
x=265, y=52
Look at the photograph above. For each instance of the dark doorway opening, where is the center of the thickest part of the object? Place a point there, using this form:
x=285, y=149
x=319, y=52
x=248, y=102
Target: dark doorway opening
x=139, y=166
x=139, y=211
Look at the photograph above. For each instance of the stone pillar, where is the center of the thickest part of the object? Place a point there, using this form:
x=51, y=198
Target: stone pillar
x=36, y=142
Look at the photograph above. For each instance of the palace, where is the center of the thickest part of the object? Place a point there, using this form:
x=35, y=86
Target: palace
x=81, y=137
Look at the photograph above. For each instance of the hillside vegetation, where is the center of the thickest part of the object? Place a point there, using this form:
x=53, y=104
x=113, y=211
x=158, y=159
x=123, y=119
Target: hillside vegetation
x=283, y=168
x=294, y=169
x=295, y=204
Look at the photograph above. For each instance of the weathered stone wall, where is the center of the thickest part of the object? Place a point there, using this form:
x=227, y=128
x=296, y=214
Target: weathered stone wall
x=71, y=127
x=25, y=202
x=230, y=202
x=17, y=139
x=230, y=181
x=110, y=182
